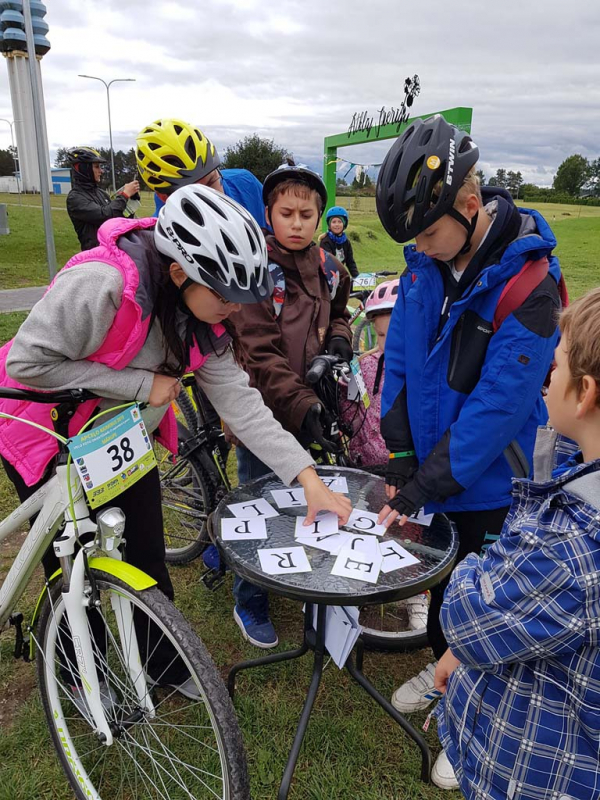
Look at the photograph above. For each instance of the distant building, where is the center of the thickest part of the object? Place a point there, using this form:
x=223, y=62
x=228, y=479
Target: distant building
x=61, y=180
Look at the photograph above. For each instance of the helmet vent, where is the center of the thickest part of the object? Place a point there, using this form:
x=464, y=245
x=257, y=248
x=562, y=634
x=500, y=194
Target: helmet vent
x=173, y=161
x=222, y=257
x=240, y=274
x=426, y=136
x=415, y=172
x=192, y=213
x=151, y=146
x=252, y=242
x=154, y=167
x=214, y=207
x=185, y=235
x=199, y=134
x=154, y=181
x=211, y=267
x=190, y=148
x=231, y=248
x=465, y=145
x=177, y=129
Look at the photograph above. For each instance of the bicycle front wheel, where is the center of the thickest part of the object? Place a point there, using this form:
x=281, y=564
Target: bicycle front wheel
x=187, y=747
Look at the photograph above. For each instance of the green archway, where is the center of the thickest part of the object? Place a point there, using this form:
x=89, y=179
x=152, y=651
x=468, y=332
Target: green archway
x=461, y=117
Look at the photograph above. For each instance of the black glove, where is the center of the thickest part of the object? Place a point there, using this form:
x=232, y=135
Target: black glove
x=400, y=470
x=312, y=429
x=409, y=499
x=338, y=346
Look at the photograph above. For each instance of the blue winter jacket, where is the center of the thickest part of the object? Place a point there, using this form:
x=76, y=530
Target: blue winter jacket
x=243, y=187
x=468, y=400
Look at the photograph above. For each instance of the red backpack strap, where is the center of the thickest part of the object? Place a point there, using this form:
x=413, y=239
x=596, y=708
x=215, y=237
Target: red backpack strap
x=518, y=289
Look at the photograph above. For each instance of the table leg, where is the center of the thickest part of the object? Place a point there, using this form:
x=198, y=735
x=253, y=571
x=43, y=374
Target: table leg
x=310, y=699
x=358, y=676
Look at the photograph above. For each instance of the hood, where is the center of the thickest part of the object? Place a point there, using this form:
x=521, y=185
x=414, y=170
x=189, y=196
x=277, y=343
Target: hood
x=84, y=180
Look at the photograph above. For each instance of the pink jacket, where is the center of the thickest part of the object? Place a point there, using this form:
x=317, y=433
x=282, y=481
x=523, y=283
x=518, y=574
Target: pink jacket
x=367, y=447
x=31, y=450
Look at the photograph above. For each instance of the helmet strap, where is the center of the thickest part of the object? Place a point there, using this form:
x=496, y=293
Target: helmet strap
x=185, y=285
x=468, y=225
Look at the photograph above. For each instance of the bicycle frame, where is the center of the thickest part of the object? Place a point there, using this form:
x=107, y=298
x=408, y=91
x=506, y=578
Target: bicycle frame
x=53, y=506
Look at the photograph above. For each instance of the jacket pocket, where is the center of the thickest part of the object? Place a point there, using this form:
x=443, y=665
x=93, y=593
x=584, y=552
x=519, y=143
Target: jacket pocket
x=470, y=339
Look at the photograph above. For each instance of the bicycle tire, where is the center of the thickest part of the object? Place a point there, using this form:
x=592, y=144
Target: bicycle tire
x=187, y=748
x=190, y=414
x=188, y=497
x=363, y=338
x=389, y=637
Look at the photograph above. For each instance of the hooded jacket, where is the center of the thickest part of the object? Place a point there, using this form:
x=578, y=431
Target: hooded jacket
x=343, y=252
x=468, y=400
x=277, y=349
x=89, y=206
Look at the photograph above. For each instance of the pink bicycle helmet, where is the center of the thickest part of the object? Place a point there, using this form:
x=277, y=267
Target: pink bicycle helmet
x=382, y=299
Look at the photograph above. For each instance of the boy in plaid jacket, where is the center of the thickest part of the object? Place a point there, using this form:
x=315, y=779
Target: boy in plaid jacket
x=520, y=719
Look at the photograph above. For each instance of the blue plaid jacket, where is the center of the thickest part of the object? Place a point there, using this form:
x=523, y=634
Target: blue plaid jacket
x=521, y=716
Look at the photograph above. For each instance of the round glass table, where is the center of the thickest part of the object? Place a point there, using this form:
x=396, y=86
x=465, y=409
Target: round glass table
x=434, y=546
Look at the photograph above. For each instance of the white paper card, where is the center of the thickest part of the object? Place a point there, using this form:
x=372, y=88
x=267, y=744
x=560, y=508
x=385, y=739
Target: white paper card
x=234, y=529
x=253, y=508
x=341, y=631
x=368, y=545
x=335, y=484
x=289, y=498
x=356, y=565
x=394, y=556
x=324, y=525
x=331, y=544
x=421, y=518
x=365, y=522
x=284, y=560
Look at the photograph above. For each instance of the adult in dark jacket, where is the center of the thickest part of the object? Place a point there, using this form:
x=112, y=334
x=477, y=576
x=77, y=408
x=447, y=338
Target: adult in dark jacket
x=336, y=242
x=88, y=205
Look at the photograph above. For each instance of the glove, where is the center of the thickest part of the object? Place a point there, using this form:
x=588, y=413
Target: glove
x=338, y=346
x=312, y=429
x=400, y=470
x=409, y=499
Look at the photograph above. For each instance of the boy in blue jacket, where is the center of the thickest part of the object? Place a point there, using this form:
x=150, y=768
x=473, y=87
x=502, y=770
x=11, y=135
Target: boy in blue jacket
x=521, y=715
x=461, y=401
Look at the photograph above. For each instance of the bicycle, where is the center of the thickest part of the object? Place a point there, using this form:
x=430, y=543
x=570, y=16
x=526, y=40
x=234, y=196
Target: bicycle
x=363, y=333
x=193, y=482
x=113, y=652
x=384, y=626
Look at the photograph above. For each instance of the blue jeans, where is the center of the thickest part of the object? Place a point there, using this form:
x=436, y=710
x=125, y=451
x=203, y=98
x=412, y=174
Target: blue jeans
x=246, y=594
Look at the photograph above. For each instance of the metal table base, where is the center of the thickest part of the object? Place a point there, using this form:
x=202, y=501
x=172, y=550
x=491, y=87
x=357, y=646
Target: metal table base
x=315, y=640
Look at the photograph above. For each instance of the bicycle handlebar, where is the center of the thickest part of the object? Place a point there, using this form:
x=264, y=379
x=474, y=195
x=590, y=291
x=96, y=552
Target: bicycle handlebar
x=64, y=396
x=320, y=366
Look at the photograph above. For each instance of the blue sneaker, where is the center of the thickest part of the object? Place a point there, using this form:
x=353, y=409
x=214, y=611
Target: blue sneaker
x=256, y=627
x=211, y=558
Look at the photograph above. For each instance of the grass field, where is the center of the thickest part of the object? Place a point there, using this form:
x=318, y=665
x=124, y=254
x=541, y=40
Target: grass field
x=352, y=750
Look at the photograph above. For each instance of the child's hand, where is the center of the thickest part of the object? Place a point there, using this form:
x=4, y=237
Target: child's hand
x=320, y=498
x=164, y=390
x=445, y=667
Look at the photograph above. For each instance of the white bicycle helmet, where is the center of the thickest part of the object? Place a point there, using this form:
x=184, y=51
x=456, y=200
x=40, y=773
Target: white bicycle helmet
x=216, y=242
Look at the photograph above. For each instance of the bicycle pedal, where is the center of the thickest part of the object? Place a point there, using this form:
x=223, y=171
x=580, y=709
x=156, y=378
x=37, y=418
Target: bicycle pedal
x=213, y=579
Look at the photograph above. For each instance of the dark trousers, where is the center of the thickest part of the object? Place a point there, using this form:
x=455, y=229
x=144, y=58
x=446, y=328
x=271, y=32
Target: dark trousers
x=476, y=531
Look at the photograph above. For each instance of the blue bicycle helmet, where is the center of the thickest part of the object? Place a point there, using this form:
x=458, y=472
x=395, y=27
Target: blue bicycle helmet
x=337, y=211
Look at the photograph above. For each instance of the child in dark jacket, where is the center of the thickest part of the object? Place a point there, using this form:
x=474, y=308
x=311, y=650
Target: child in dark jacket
x=336, y=241
x=461, y=401
x=281, y=336
x=520, y=718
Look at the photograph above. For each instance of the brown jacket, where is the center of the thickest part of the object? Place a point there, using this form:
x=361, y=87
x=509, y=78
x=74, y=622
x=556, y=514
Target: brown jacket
x=277, y=351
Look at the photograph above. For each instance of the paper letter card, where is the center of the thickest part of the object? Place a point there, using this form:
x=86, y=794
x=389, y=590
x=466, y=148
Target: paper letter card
x=368, y=545
x=284, y=560
x=234, y=529
x=365, y=522
x=331, y=544
x=339, y=484
x=324, y=525
x=421, y=518
x=289, y=498
x=253, y=508
x=357, y=565
x=394, y=556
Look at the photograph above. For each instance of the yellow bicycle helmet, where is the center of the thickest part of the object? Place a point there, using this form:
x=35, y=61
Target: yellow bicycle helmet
x=171, y=153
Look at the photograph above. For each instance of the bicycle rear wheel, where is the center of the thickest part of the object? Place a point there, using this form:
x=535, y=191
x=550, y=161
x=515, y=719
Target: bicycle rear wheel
x=188, y=748
x=363, y=336
x=188, y=497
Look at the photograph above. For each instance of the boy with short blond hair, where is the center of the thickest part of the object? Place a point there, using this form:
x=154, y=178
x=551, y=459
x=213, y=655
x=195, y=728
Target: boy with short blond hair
x=521, y=715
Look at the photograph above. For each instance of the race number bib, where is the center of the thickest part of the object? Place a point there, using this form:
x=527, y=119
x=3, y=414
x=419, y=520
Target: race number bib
x=113, y=456
x=356, y=388
x=367, y=280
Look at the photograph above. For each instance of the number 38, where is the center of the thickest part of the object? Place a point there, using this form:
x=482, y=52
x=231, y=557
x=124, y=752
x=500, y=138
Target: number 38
x=117, y=458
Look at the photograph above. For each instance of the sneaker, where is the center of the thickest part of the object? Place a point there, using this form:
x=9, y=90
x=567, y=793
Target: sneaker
x=188, y=689
x=417, y=693
x=418, y=609
x=211, y=558
x=108, y=697
x=442, y=773
x=256, y=627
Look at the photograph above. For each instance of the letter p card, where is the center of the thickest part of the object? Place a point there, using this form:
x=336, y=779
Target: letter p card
x=234, y=529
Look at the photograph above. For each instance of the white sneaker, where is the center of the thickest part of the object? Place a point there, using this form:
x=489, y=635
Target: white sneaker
x=108, y=698
x=442, y=773
x=188, y=689
x=418, y=609
x=417, y=693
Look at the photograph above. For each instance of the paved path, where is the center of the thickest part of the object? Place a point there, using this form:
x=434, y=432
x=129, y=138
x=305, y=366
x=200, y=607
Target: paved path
x=20, y=299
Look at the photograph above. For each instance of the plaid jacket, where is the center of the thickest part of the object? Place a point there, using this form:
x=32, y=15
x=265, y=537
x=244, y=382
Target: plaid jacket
x=521, y=717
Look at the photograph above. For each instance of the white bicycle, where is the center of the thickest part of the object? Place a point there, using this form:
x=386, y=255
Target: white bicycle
x=113, y=653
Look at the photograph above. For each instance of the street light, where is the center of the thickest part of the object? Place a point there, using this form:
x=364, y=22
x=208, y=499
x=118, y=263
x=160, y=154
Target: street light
x=14, y=151
x=108, y=85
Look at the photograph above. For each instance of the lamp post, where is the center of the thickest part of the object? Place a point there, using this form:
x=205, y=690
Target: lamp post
x=108, y=85
x=14, y=152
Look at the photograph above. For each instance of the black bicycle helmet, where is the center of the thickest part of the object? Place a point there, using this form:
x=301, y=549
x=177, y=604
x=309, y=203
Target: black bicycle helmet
x=294, y=172
x=429, y=152
x=85, y=155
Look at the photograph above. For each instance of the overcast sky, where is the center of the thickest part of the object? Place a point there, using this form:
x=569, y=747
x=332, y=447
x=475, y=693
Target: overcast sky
x=297, y=71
